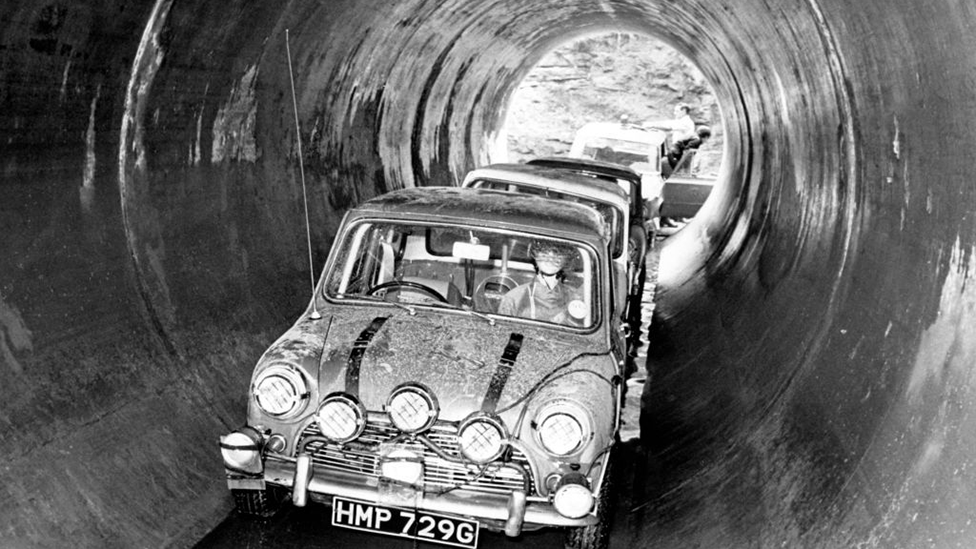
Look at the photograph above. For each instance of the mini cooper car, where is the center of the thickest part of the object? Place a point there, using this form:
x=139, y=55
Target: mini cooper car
x=645, y=206
x=425, y=394
x=627, y=145
x=629, y=180
x=589, y=183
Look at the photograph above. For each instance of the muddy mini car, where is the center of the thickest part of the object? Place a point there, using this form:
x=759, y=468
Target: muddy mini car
x=437, y=384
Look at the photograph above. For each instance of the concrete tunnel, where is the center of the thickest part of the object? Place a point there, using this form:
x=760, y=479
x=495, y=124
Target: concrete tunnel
x=812, y=354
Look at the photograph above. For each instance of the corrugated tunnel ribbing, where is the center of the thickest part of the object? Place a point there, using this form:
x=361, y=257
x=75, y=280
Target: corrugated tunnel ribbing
x=811, y=366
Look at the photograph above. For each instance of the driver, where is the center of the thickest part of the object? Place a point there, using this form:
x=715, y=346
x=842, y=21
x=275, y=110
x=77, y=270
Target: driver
x=546, y=297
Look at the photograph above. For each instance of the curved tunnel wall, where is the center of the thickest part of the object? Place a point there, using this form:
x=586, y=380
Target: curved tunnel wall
x=812, y=353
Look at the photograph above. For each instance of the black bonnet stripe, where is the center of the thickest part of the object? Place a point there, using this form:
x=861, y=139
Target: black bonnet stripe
x=502, y=372
x=356, y=355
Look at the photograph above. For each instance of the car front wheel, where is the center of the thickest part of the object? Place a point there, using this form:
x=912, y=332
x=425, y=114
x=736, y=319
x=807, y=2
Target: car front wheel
x=258, y=503
x=596, y=536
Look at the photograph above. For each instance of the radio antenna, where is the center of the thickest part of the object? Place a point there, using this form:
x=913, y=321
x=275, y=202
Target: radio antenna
x=301, y=169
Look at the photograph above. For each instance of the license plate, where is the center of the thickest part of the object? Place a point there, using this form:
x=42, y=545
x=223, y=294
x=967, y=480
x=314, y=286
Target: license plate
x=404, y=523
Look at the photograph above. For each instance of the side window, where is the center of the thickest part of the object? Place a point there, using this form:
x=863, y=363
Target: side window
x=369, y=256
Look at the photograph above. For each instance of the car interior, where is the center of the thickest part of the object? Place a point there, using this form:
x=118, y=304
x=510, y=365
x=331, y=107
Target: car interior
x=463, y=268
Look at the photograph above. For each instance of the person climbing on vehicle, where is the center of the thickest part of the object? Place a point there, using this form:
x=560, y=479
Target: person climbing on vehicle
x=546, y=297
x=681, y=127
x=677, y=152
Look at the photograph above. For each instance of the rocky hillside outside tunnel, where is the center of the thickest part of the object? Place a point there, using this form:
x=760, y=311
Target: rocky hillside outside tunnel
x=615, y=77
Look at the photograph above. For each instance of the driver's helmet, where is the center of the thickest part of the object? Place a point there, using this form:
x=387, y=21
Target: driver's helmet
x=551, y=257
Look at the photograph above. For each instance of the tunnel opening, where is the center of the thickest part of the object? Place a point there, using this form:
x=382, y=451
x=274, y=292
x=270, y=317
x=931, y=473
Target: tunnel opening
x=608, y=77
x=598, y=96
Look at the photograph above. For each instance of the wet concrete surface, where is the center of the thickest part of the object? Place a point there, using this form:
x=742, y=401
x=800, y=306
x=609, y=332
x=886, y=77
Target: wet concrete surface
x=810, y=378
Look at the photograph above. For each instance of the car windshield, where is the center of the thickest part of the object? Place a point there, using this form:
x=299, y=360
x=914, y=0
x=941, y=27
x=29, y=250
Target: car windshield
x=482, y=271
x=617, y=151
x=611, y=215
x=629, y=146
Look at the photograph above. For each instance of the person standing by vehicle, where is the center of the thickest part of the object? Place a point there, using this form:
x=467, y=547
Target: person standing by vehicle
x=702, y=133
x=682, y=129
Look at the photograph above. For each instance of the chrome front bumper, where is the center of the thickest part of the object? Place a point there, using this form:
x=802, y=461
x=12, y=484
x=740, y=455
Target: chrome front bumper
x=511, y=513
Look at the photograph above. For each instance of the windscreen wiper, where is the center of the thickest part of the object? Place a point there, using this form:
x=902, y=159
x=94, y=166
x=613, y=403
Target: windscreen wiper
x=472, y=312
x=374, y=299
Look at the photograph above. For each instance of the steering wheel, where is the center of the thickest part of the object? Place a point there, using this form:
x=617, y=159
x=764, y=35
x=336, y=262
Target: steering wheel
x=489, y=293
x=407, y=284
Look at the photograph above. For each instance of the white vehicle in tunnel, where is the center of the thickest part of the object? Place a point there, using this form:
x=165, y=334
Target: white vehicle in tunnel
x=632, y=146
x=412, y=400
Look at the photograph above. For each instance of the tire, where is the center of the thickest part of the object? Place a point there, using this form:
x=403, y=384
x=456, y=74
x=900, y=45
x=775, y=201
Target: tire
x=634, y=313
x=596, y=536
x=258, y=503
x=634, y=316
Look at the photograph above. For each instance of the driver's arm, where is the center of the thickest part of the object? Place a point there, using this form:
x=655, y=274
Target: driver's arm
x=509, y=303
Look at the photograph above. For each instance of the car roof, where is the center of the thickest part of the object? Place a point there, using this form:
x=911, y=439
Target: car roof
x=556, y=179
x=485, y=207
x=588, y=166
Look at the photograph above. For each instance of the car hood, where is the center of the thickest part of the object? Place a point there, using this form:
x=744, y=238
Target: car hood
x=466, y=363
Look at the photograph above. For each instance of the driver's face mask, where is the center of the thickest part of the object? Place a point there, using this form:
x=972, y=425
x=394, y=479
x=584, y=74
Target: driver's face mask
x=549, y=264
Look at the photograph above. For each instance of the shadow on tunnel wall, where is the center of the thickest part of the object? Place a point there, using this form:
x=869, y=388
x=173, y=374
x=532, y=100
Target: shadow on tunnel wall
x=811, y=358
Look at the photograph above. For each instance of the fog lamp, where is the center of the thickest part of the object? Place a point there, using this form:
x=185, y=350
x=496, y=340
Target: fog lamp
x=412, y=408
x=482, y=437
x=573, y=497
x=341, y=417
x=241, y=450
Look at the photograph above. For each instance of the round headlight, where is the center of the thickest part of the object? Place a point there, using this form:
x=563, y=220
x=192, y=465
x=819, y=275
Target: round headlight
x=280, y=391
x=412, y=408
x=482, y=438
x=341, y=417
x=561, y=434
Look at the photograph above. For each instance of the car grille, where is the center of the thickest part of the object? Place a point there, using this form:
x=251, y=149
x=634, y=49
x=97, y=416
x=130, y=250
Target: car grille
x=361, y=458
